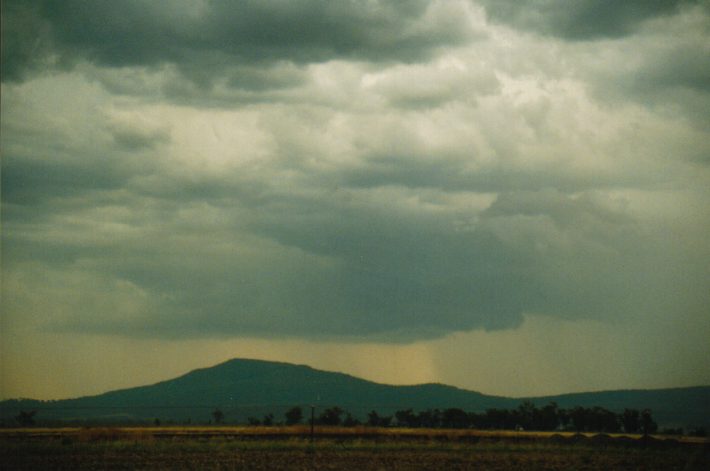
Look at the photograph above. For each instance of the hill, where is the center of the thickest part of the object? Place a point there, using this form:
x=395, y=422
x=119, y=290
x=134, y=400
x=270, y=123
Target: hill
x=244, y=388
x=673, y=407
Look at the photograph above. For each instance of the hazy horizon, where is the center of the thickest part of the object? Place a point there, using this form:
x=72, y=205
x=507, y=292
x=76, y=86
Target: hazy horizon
x=384, y=382
x=506, y=197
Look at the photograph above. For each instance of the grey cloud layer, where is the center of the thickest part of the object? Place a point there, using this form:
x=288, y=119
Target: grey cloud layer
x=581, y=19
x=349, y=169
x=202, y=36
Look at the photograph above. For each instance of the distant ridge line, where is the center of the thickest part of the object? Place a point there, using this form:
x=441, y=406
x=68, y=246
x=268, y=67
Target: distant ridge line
x=251, y=387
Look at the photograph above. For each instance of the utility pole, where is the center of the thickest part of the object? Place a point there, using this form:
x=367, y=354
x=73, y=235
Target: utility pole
x=313, y=416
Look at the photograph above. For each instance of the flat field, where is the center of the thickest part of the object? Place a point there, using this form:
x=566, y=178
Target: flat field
x=291, y=448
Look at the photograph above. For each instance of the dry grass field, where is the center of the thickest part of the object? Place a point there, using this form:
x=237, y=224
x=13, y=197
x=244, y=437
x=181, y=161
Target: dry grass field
x=290, y=448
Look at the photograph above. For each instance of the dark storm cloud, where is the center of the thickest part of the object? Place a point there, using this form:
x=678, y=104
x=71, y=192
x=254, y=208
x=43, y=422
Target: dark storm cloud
x=674, y=66
x=321, y=271
x=28, y=182
x=344, y=264
x=662, y=67
x=279, y=168
x=201, y=38
x=580, y=19
x=138, y=139
x=334, y=267
x=457, y=174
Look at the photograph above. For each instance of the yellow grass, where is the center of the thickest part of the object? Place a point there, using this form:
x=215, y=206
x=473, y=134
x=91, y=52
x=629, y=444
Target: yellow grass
x=98, y=433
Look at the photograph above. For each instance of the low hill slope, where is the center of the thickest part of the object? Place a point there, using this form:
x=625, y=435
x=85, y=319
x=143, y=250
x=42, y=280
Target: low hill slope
x=674, y=407
x=251, y=388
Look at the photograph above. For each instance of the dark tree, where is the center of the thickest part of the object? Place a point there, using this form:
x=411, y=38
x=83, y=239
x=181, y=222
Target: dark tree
x=429, y=418
x=596, y=419
x=331, y=416
x=547, y=418
x=579, y=418
x=525, y=415
x=268, y=420
x=454, y=418
x=500, y=419
x=350, y=421
x=476, y=420
x=406, y=418
x=294, y=416
x=25, y=418
x=375, y=420
x=564, y=418
x=604, y=420
x=630, y=419
x=648, y=426
x=253, y=421
x=218, y=416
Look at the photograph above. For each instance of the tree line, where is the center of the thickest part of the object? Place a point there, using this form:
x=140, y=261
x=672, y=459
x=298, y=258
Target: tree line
x=526, y=417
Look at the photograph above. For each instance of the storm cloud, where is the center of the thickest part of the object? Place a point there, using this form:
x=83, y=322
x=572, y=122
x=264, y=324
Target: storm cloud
x=204, y=36
x=353, y=170
x=582, y=19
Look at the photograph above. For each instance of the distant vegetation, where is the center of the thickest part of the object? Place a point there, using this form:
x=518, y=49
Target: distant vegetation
x=526, y=417
x=239, y=392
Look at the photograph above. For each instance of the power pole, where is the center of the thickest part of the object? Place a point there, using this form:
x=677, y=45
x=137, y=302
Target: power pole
x=313, y=416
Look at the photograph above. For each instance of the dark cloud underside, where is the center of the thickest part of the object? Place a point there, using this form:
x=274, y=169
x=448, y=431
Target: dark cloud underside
x=580, y=19
x=352, y=169
x=217, y=34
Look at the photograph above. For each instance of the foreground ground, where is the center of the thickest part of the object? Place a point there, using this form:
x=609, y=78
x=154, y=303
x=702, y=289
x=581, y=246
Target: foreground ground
x=339, y=449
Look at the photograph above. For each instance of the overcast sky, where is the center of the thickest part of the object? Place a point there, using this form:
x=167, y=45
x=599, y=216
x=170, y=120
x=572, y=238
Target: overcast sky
x=511, y=197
